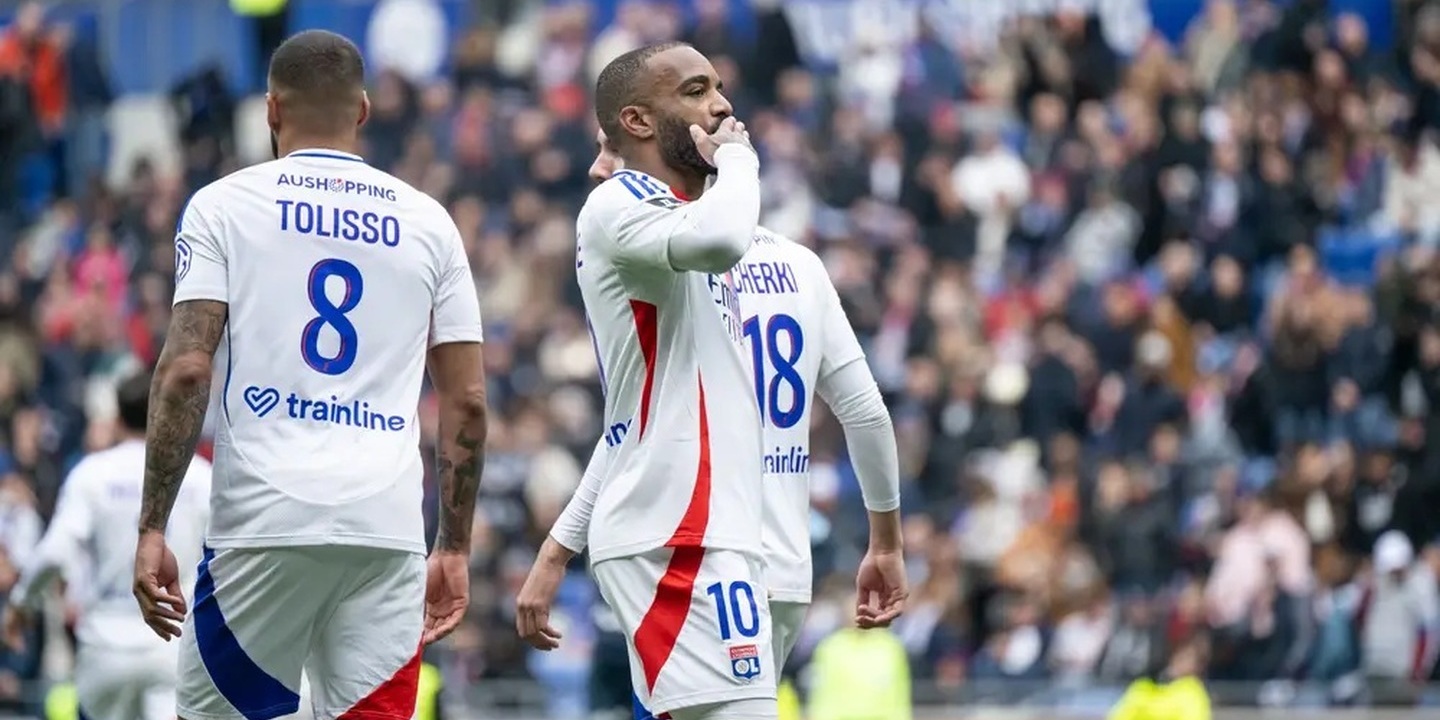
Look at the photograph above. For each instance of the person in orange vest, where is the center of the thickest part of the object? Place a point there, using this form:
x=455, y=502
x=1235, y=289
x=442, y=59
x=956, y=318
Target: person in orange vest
x=28, y=52
x=32, y=57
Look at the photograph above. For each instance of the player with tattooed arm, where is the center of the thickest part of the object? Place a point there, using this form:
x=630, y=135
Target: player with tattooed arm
x=315, y=290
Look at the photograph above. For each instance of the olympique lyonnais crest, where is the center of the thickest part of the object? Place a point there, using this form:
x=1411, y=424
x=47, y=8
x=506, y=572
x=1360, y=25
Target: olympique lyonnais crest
x=745, y=662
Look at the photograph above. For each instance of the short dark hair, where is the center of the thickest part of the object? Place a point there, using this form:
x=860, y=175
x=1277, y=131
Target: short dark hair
x=319, y=75
x=619, y=85
x=132, y=398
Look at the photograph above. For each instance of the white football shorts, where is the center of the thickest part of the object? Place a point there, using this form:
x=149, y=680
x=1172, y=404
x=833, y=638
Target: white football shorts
x=349, y=618
x=126, y=683
x=696, y=622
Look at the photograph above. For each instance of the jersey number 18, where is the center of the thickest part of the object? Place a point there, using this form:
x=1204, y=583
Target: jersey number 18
x=766, y=346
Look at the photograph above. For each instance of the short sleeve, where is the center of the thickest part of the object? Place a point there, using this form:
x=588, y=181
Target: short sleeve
x=200, y=254
x=455, y=316
x=840, y=346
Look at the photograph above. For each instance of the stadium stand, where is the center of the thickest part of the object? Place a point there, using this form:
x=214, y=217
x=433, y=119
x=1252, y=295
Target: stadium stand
x=1151, y=293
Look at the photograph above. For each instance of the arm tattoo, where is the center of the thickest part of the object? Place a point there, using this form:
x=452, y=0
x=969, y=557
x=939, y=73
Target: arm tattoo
x=179, y=395
x=460, y=463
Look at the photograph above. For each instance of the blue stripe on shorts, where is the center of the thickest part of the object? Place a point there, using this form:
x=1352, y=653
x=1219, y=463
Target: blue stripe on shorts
x=253, y=692
x=640, y=712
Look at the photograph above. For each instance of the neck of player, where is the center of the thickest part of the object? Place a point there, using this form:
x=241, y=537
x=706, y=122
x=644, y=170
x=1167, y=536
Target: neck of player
x=690, y=187
x=686, y=185
x=287, y=144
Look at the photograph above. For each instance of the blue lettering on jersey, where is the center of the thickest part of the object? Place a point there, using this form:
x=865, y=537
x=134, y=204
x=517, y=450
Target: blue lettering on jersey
x=335, y=185
x=794, y=460
x=765, y=278
x=722, y=288
x=615, y=434
x=338, y=223
x=121, y=490
x=334, y=411
x=640, y=185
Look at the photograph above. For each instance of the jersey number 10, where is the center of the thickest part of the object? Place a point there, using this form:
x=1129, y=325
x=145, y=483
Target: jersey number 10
x=766, y=345
x=746, y=619
x=333, y=315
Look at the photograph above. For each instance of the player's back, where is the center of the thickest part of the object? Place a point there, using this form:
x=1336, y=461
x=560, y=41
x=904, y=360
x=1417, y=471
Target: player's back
x=100, y=507
x=332, y=270
x=796, y=332
x=683, y=463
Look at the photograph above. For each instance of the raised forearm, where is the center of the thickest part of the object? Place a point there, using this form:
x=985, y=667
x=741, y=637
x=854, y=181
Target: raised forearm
x=460, y=462
x=720, y=226
x=179, y=395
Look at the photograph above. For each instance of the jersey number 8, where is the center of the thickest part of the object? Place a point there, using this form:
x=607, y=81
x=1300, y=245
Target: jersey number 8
x=333, y=315
x=782, y=365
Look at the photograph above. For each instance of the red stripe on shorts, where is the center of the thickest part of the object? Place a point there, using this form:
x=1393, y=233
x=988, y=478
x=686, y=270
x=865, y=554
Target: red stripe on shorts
x=660, y=628
x=394, y=698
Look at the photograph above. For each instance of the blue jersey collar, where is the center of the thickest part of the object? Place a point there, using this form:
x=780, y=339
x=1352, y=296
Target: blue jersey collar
x=326, y=153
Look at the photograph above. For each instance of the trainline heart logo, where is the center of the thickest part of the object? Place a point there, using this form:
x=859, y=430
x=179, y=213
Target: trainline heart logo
x=261, y=400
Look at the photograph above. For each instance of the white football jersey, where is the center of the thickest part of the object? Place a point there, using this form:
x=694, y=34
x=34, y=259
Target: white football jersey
x=683, y=460
x=797, y=333
x=338, y=278
x=93, y=532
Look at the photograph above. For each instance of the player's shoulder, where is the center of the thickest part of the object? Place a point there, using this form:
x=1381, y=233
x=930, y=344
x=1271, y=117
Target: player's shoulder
x=227, y=195
x=780, y=247
x=245, y=180
x=407, y=197
x=622, y=193
x=86, y=467
x=94, y=468
x=216, y=197
x=419, y=208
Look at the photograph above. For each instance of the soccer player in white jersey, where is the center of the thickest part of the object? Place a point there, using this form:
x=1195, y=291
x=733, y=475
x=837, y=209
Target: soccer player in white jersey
x=122, y=672
x=326, y=285
x=800, y=341
x=675, y=540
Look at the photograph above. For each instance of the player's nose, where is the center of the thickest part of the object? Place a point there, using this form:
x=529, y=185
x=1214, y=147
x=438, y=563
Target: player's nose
x=720, y=107
x=600, y=170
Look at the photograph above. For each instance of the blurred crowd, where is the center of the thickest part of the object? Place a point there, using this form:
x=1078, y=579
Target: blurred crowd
x=1159, y=331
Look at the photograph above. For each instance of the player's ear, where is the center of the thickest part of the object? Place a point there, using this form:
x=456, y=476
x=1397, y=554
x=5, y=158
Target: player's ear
x=364, y=108
x=637, y=122
x=272, y=112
